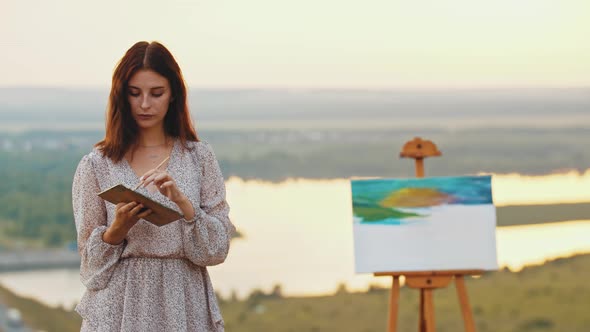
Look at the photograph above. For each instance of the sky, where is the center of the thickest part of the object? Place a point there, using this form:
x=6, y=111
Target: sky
x=303, y=43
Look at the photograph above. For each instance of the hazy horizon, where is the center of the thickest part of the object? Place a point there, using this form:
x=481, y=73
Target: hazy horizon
x=316, y=108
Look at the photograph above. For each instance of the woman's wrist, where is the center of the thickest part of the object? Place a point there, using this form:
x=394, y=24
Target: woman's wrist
x=186, y=207
x=113, y=238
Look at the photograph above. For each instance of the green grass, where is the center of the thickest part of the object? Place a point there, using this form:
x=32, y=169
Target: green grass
x=552, y=297
x=39, y=316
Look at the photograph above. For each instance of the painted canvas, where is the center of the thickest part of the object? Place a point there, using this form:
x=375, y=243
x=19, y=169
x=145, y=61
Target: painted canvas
x=424, y=224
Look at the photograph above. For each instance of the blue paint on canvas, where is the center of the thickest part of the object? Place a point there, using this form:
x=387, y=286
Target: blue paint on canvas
x=400, y=201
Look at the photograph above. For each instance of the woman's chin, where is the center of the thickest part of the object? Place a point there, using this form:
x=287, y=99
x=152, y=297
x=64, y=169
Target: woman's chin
x=142, y=124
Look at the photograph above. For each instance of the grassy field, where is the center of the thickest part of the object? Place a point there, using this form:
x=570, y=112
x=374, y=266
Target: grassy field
x=39, y=316
x=551, y=297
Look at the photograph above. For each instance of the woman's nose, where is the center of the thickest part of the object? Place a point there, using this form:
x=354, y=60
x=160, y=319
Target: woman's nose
x=145, y=102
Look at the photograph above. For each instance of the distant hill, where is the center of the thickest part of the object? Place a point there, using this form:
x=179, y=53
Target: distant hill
x=26, y=107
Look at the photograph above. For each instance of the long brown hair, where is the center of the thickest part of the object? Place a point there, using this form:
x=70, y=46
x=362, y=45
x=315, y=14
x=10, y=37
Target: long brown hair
x=121, y=129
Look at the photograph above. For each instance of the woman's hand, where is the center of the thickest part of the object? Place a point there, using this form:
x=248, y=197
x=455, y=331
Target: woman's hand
x=165, y=184
x=126, y=216
x=167, y=187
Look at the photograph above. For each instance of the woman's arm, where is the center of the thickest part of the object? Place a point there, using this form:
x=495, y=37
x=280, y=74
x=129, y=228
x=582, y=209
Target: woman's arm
x=98, y=258
x=207, y=235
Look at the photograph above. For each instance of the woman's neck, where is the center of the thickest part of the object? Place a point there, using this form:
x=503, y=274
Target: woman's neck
x=151, y=137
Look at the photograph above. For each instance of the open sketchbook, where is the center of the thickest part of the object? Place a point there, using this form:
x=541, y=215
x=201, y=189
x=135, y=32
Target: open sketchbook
x=160, y=216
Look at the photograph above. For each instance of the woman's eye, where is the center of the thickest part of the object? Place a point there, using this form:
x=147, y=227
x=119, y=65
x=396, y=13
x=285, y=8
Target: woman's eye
x=134, y=94
x=157, y=94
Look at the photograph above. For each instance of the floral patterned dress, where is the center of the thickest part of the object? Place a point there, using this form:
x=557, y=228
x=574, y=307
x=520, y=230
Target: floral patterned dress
x=156, y=280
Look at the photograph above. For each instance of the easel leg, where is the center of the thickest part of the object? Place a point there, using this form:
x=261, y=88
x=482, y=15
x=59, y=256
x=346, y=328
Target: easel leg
x=422, y=321
x=426, y=310
x=464, y=301
x=393, y=305
x=429, y=309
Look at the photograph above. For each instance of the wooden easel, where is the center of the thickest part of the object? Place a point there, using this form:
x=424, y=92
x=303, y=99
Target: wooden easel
x=427, y=281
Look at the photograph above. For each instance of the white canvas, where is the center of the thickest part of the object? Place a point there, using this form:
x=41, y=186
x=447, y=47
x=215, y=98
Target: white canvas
x=454, y=226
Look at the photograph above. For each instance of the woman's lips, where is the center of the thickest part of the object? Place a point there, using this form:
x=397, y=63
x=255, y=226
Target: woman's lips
x=145, y=116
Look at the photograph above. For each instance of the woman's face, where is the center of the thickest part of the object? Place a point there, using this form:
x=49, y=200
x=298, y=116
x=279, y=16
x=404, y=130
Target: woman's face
x=149, y=97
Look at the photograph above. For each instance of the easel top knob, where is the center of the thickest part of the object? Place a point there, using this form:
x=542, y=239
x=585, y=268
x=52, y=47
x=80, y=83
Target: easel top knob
x=419, y=149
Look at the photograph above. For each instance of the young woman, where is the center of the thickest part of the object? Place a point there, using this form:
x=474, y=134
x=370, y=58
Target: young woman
x=141, y=277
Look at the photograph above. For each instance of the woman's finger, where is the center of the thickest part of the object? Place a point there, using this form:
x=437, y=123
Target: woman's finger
x=167, y=184
x=126, y=208
x=144, y=214
x=147, y=174
x=148, y=180
x=162, y=176
x=159, y=180
x=136, y=209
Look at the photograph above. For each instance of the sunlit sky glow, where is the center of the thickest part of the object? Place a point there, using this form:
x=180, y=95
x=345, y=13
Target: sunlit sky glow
x=304, y=43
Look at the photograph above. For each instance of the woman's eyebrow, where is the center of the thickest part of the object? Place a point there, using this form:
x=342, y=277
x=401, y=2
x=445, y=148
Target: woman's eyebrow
x=152, y=88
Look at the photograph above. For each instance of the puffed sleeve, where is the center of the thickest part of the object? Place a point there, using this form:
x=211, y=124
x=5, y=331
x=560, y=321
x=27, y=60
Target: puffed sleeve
x=206, y=239
x=98, y=258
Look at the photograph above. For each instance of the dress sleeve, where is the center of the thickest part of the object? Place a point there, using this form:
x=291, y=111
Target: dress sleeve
x=206, y=239
x=98, y=258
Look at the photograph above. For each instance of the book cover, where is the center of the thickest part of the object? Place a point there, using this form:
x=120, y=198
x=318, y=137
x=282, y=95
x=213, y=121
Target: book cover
x=160, y=216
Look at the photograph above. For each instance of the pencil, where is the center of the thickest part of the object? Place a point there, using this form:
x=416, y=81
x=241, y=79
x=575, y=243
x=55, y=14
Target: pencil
x=159, y=165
